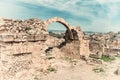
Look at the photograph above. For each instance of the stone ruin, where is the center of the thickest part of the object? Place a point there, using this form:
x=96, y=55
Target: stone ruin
x=107, y=43
x=23, y=43
x=19, y=35
x=76, y=44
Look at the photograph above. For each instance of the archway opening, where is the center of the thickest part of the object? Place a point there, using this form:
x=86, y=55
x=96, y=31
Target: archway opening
x=56, y=27
x=57, y=33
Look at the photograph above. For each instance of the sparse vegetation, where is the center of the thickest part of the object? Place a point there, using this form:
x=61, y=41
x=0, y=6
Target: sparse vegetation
x=36, y=78
x=93, y=56
x=98, y=69
x=107, y=58
x=50, y=69
x=70, y=60
x=67, y=58
x=50, y=57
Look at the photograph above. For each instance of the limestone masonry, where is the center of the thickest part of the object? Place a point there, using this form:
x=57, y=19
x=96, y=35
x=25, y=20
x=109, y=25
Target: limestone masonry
x=20, y=33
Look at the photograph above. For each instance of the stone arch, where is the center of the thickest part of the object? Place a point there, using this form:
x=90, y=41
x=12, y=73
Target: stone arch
x=63, y=22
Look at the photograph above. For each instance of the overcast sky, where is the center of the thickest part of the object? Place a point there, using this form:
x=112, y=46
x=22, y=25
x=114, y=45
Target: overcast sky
x=90, y=15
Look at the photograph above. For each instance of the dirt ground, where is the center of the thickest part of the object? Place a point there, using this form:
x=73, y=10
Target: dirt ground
x=65, y=68
x=83, y=71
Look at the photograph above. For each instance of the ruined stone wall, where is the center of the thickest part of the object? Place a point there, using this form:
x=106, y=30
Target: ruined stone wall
x=23, y=43
x=106, y=43
x=19, y=33
x=77, y=47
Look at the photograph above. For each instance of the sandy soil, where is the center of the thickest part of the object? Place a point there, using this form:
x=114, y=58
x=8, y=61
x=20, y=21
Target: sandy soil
x=69, y=69
x=77, y=70
x=83, y=71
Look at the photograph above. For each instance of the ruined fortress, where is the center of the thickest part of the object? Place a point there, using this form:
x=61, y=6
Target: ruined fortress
x=25, y=44
x=21, y=35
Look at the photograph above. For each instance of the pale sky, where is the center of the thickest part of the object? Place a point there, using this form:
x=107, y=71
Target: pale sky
x=90, y=15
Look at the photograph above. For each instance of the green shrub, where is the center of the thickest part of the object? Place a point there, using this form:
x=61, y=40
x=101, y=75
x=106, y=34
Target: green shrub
x=107, y=58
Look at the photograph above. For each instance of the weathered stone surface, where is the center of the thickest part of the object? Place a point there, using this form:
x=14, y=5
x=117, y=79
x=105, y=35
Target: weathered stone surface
x=1, y=21
x=24, y=44
x=106, y=43
x=78, y=46
x=34, y=30
x=7, y=38
x=99, y=54
x=21, y=30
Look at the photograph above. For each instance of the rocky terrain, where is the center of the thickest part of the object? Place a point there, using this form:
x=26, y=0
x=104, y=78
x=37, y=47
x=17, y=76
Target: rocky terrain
x=107, y=43
x=29, y=52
